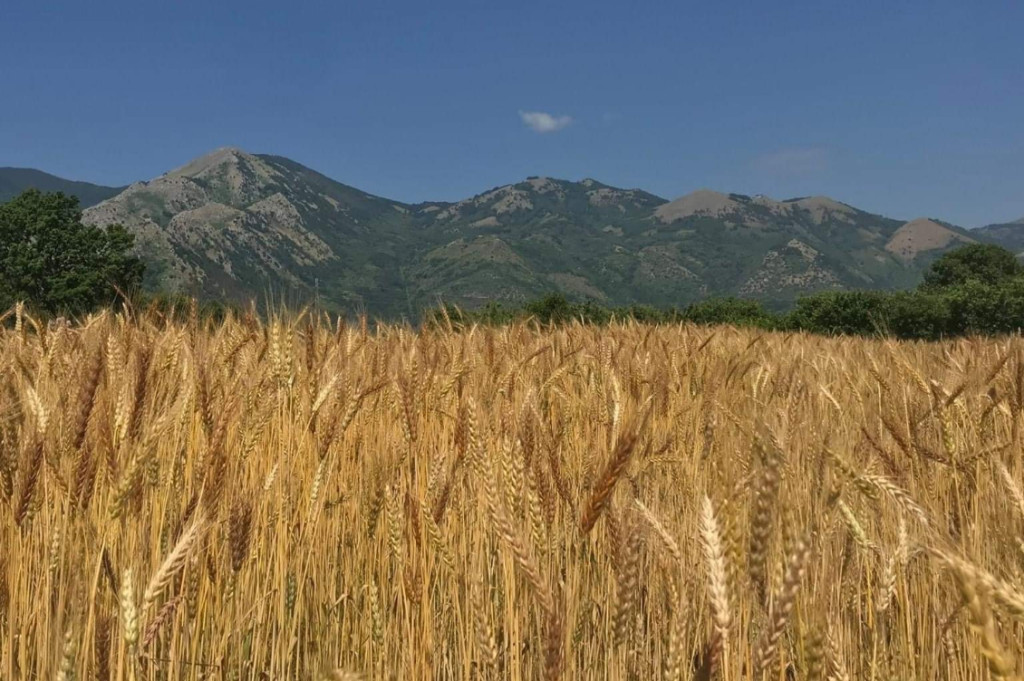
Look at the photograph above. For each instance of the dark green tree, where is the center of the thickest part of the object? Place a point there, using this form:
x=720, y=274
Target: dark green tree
x=738, y=311
x=552, y=308
x=831, y=313
x=56, y=264
x=987, y=309
x=915, y=315
x=981, y=263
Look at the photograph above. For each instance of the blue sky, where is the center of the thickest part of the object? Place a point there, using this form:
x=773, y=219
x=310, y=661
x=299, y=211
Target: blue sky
x=907, y=109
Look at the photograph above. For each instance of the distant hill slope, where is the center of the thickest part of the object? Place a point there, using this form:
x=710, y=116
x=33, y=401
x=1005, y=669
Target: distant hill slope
x=13, y=181
x=237, y=225
x=1007, y=234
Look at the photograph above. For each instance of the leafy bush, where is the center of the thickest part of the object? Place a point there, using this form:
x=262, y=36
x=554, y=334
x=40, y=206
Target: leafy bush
x=737, y=311
x=861, y=313
x=915, y=315
x=557, y=309
x=985, y=309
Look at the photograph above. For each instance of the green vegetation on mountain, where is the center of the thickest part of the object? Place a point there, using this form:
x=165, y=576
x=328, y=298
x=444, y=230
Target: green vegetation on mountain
x=952, y=301
x=53, y=262
x=235, y=226
x=14, y=181
x=1010, y=235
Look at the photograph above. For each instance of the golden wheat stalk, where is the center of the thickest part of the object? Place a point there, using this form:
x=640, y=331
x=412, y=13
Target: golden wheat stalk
x=782, y=606
x=714, y=555
x=172, y=565
x=605, y=484
x=666, y=538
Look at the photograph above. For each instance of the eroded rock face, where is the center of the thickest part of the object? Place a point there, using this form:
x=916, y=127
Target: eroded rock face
x=225, y=220
x=793, y=266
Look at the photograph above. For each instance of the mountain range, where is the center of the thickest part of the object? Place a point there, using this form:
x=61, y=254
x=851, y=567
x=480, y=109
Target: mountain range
x=237, y=225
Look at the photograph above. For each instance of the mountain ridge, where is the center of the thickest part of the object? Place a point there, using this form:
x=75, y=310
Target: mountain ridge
x=229, y=222
x=14, y=180
x=233, y=224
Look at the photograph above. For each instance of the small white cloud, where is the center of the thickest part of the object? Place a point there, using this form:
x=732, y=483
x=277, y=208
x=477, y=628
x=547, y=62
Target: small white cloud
x=792, y=162
x=542, y=122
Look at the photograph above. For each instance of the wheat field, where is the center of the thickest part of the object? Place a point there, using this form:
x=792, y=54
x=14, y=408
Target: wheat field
x=300, y=498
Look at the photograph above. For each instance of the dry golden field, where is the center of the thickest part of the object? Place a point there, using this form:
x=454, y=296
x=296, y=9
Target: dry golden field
x=301, y=499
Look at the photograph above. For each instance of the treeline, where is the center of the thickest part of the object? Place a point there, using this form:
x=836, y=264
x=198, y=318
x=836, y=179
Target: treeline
x=976, y=289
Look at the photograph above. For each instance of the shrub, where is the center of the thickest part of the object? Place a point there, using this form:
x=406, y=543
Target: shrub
x=737, y=311
x=862, y=313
